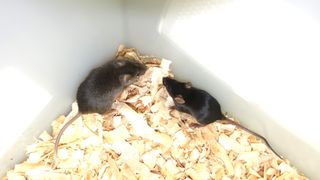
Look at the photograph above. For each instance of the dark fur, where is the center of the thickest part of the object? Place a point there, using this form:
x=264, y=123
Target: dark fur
x=103, y=84
x=97, y=92
x=202, y=106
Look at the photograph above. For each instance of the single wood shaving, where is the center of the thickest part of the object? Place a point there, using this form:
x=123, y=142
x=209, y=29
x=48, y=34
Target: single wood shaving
x=144, y=137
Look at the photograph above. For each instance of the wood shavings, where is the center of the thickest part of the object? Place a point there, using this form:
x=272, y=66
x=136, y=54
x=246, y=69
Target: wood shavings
x=199, y=172
x=229, y=143
x=149, y=158
x=119, y=134
x=144, y=137
x=45, y=136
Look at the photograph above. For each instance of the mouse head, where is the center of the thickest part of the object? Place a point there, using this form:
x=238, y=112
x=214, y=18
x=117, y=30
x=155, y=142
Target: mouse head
x=177, y=90
x=129, y=70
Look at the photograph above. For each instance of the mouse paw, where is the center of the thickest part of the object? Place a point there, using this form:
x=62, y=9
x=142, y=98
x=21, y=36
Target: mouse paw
x=195, y=125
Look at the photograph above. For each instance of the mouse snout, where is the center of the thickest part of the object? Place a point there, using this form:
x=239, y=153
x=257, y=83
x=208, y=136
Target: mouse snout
x=167, y=83
x=143, y=69
x=140, y=68
x=167, y=79
x=164, y=81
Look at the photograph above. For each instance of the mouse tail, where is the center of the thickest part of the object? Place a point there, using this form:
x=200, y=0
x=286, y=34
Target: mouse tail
x=56, y=144
x=229, y=121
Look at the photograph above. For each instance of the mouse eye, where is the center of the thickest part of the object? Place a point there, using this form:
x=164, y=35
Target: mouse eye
x=188, y=85
x=137, y=73
x=124, y=79
x=179, y=99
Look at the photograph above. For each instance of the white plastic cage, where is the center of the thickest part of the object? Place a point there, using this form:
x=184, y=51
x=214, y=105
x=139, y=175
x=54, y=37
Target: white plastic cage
x=259, y=58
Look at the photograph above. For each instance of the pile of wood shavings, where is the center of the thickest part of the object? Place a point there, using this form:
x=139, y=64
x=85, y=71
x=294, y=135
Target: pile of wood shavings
x=146, y=138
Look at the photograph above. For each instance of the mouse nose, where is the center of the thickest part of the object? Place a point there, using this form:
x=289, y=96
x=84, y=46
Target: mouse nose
x=164, y=81
x=143, y=68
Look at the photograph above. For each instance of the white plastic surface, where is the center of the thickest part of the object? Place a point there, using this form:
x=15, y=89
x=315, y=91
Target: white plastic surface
x=258, y=58
x=46, y=49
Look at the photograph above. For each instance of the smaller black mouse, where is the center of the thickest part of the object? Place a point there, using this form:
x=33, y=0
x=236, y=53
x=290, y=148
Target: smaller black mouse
x=100, y=88
x=201, y=105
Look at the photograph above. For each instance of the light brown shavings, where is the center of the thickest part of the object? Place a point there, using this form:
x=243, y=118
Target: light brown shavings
x=145, y=137
x=129, y=53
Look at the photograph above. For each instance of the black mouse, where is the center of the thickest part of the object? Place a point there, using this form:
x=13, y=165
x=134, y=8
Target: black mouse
x=100, y=88
x=201, y=105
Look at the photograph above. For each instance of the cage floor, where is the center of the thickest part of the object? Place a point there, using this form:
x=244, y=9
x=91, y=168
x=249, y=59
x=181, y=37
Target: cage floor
x=144, y=137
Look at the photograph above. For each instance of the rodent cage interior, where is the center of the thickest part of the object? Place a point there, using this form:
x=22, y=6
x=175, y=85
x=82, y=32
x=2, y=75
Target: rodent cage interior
x=258, y=58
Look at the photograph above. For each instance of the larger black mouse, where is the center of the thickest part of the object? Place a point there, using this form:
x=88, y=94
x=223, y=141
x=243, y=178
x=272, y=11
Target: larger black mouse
x=103, y=84
x=201, y=105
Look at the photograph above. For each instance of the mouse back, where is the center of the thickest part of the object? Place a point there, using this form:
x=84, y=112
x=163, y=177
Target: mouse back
x=196, y=102
x=98, y=91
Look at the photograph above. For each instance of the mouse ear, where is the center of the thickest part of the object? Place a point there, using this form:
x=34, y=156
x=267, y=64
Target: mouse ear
x=125, y=78
x=119, y=63
x=179, y=99
x=188, y=85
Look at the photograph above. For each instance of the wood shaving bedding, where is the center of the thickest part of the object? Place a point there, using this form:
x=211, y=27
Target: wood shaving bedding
x=144, y=137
